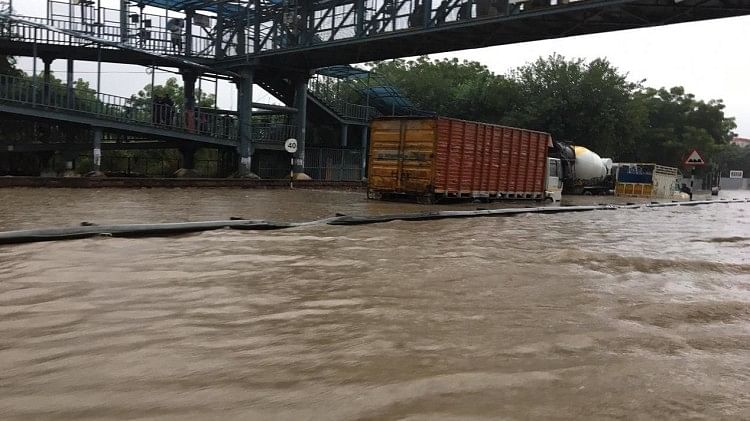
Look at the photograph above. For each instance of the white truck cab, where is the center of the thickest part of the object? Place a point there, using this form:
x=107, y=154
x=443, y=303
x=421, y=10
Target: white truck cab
x=554, y=186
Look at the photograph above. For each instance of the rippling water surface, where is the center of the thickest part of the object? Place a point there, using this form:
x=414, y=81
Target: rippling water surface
x=632, y=314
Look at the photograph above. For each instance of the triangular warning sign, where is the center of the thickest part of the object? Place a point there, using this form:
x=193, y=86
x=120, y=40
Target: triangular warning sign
x=695, y=158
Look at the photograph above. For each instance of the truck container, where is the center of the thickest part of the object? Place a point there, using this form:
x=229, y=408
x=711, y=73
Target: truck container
x=646, y=180
x=436, y=157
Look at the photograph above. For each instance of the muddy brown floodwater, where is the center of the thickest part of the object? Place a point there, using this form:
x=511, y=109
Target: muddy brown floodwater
x=633, y=314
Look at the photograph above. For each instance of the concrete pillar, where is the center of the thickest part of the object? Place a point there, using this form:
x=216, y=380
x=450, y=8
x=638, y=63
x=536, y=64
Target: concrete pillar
x=245, y=129
x=344, y=135
x=187, y=155
x=365, y=132
x=188, y=80
x=47, y=77
x=300, y=102
x=97, y=149
x=70, y=88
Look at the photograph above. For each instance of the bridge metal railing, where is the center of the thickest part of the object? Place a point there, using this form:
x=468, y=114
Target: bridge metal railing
x=142, y=112
x=338, y=95
x=278, y=26
x=273, y=133
x=63, y=32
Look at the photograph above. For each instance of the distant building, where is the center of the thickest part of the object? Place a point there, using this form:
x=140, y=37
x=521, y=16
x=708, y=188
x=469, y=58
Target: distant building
x=740, y=141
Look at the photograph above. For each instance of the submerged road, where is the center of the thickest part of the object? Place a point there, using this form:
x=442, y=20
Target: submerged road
x=637, y=314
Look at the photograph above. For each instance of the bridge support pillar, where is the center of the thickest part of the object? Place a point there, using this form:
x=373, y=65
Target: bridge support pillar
x=97, y=150
x=188, y=80
x=300, y=102
x=187, y=158
x=245, y=128
x=344, y=135
x=188, y=149
x=46, y=76
x=364, y=151
x=70, y=88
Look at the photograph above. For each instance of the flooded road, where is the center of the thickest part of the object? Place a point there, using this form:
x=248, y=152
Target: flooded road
x=630, y=314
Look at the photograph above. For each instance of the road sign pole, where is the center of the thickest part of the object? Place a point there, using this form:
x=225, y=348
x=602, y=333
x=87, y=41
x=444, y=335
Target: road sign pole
x=692, y=181
x=693, y=160
x=291, y=147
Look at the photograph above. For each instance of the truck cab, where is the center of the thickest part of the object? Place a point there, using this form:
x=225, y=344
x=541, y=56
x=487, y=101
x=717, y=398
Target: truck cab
x=554, y=183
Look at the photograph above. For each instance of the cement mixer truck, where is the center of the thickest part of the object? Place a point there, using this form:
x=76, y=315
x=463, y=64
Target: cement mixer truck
x=584, y=171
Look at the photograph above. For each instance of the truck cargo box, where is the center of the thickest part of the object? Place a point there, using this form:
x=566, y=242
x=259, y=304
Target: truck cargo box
x=646, y=180
x=436, y=157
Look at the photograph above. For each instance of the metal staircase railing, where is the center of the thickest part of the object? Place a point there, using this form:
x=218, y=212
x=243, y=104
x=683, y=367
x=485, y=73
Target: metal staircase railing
x=211, y=123
x=351, y=85
x=29, y=93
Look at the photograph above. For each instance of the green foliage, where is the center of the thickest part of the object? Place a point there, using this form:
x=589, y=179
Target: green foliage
x=676, y=123
x=452, y=88
x=174, y=91
x=731, y=157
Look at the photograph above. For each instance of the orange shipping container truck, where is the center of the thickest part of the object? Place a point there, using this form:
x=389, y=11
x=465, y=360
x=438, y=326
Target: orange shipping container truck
x=435, y=157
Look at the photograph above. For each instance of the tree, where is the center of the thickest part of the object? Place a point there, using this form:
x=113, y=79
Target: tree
x=452, y=88
x=677, y=123
x=587, y=104
x=174, y=91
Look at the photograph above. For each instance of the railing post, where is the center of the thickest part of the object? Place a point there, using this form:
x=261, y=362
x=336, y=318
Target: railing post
x=33, y=79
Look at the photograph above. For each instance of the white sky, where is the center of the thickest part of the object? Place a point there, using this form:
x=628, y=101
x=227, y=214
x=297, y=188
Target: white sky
x=708, y=58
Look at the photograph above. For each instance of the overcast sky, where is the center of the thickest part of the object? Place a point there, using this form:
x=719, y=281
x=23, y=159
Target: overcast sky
x=709, y=59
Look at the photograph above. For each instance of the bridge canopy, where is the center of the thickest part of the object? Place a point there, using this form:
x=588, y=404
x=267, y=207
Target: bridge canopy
x=204, y=5
x=181, y=5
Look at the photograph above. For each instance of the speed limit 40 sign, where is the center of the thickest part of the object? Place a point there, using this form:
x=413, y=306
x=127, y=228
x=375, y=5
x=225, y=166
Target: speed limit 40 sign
x=291, y=145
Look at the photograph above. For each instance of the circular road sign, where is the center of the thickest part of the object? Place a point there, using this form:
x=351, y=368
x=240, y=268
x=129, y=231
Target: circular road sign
x=291, y=145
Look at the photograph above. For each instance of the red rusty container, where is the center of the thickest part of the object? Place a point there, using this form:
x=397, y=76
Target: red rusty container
x=444, y=157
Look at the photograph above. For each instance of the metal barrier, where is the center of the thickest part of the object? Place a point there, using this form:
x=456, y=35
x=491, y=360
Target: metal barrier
x=333, y=164
x=139, y=166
